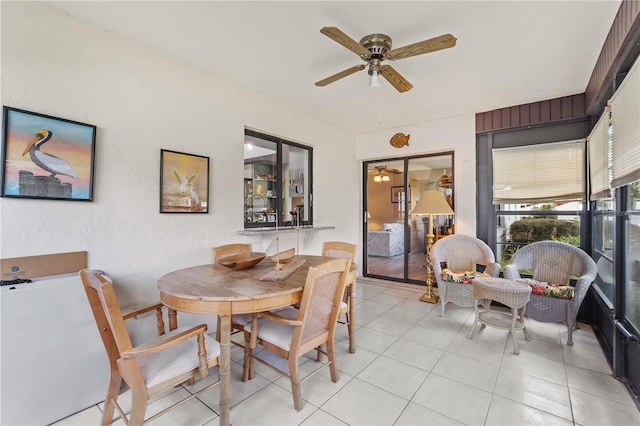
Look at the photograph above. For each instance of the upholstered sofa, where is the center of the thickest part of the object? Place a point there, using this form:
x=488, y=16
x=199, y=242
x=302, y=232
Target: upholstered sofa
x=387, y=242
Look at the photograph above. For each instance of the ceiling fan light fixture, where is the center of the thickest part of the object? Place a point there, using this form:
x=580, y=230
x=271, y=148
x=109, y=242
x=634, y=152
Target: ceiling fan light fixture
x=374, y=81
x=377, y=178
x=386, y=178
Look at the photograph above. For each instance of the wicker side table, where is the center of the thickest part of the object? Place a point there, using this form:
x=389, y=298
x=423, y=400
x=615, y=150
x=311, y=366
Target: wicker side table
x=512, y=294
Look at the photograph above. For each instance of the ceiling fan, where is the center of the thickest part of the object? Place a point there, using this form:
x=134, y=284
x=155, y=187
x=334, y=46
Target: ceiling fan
x=380, y=173
x=375, y=48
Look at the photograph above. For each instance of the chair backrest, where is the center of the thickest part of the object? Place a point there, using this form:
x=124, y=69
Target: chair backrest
x=229, y=250
x=107, y=314
x=554, y=261
x=340, y=250
x=320, y=304
x=461, y=252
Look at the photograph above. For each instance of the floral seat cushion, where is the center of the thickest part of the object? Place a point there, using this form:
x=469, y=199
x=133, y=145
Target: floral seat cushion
x=542, y=288
x=463, y=277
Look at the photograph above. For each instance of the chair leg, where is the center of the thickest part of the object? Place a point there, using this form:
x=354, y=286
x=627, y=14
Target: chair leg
x=570, y=334
x=138, y=406
x=248, y=358
x=115, y=383
x=331, y=354
x=295, y=383
x=319, y=353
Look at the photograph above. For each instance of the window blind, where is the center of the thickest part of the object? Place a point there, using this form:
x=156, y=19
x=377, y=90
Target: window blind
x=539, y=173
x=599, y=158
x=625, y=118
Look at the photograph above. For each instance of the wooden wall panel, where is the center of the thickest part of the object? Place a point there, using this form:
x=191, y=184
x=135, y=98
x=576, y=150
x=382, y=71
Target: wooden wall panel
x=542, y=112
x=617, y=47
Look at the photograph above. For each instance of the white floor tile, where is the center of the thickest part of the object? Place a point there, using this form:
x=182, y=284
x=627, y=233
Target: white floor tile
x=584, y=358
x=461, y=402
x=90, y=416
x=535, y=365
x=373, y=340
x=475, y=349
x=466, y=370
x=590, y=409
x=360, y=403
x=414, y=367
x=536, y=393
x=506, y=412
x=415, y=414
x=394, y=376
x=596, y=383
x=414, y=353
x=273, y=406
x=400, y=312
x=322, y=418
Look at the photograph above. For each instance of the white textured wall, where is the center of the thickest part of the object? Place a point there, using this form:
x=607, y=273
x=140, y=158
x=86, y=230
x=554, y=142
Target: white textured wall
x=141, y=102
x=454, y=134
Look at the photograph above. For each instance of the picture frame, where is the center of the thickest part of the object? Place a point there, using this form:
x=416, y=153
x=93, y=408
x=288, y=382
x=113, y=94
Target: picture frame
x=395, y=194
x=184, y=182
x=46, y=157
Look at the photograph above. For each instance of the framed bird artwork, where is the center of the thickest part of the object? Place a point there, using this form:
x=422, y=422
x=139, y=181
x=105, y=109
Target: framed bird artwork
x=184, y=182
x=46, y=157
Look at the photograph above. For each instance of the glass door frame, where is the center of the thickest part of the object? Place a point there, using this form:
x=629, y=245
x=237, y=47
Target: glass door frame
x=406, y=212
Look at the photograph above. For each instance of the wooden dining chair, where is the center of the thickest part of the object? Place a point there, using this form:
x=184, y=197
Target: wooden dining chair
x=290, y=333
x=149, y=368
x=238, y=321
x=342, y=250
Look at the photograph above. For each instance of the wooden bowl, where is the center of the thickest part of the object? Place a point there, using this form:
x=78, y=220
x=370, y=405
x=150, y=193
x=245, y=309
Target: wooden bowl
x=241, y=261
x=285, y=256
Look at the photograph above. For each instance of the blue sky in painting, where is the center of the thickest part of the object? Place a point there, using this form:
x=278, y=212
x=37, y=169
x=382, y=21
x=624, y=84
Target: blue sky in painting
x=29, y=124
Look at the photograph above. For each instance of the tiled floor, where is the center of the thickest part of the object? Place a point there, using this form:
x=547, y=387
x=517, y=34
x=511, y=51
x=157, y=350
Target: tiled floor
x=414, y=367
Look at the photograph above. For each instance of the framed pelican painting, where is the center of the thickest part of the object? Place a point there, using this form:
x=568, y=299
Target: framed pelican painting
x=46, y=157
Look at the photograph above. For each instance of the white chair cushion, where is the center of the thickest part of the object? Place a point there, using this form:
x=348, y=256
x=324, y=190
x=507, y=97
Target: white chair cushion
x=161, y=366
x=241, y=319
x=278, y=334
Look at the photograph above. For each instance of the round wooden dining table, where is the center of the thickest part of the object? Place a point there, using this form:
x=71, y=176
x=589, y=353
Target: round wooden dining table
x=216, y=289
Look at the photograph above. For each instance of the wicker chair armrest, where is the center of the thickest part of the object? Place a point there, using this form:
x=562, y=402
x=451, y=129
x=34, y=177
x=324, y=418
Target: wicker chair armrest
x=162, y=344
x=280, y=319
x=493, y=269
x=511, y=272
x=582, y=286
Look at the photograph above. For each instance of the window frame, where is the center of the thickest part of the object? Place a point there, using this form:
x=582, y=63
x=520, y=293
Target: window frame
x=280, y=142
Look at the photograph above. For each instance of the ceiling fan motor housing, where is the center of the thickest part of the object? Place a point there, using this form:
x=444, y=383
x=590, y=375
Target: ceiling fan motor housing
x=378, y=45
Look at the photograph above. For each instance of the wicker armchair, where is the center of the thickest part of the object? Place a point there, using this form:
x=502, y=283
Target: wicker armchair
x=460, y=252
x=554, y=262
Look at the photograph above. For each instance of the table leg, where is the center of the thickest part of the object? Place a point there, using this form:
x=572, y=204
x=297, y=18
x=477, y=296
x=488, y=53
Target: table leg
x=225, y=362
x=512, y=329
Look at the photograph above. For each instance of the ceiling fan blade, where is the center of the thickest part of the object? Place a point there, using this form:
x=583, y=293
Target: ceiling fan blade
x=338, y=36
x=396, y=80
x=340, y=75
x=432, y=45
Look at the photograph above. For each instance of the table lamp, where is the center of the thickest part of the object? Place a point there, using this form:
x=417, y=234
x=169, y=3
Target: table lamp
x=431, y=203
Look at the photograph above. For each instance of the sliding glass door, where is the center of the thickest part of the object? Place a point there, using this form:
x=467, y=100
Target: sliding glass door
x=394, y=238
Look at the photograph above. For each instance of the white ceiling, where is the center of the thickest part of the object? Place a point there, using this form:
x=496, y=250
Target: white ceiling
x=507, y=53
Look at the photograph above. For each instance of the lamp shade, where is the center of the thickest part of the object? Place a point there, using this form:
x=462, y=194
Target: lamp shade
x=432, y=203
